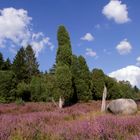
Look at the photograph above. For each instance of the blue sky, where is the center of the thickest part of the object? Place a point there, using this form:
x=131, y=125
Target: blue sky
x=105, y=32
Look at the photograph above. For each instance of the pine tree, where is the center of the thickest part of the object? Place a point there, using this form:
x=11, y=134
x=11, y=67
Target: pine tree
x=31, y=62
x=1, y=61
x=7, y=64
x=52, y=70
x=136, y=89
x=7, y=86
x=19, y=66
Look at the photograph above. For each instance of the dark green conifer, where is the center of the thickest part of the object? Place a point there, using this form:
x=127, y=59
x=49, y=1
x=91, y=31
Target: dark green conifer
x=1, y=61
x=31, y=62
x=19, y=66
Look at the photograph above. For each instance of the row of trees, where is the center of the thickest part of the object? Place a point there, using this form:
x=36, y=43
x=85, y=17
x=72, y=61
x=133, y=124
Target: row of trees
x=69, y=78
x=16, y=76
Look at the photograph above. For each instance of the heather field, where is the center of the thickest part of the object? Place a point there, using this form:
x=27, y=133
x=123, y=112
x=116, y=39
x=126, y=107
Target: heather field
x=82, y=121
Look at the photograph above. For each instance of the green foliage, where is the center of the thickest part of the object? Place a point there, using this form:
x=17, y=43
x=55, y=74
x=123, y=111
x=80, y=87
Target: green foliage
x=19, y=101
x=2, y=99
x=84, y=70
x=63, y=36
x=23, y=91
x=7, y=65
x=75, y=76
x=81, y=79
x=64, y=51
x=52, y=70
x=83, y=91
x=38, y=89
x=25, y=65
x=64, y=82
x=1, y=61
x=127, y=90
x=64, y=55
x=69, y=78
x=19, y=66
x=31, y=62
x=4, y=65
x=136, y=89
x=63, y=62
x=98, y=82
x=7, y=86
x=113, y=88
x=122, y=89
x=51, y=86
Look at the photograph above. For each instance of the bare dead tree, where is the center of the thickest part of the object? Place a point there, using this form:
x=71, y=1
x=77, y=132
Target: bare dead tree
x=53, y=101
x=60, y=104
x=103, y=107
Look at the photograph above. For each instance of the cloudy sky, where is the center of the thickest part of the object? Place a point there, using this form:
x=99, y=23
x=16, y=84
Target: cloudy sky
x=105, y=32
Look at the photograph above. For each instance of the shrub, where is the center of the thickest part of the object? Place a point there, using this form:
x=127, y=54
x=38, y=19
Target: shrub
x=2, y=99
x=19, y=101
x=23, y=91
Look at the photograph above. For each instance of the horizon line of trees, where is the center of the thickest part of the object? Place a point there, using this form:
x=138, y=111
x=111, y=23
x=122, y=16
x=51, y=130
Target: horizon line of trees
x=69, y=78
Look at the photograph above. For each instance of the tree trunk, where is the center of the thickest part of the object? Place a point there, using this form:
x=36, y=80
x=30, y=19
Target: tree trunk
x=103, y=107
x=61, y=103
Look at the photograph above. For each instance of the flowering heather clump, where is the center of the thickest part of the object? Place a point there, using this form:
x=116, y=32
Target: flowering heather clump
x=44, y=121
x=27, y=108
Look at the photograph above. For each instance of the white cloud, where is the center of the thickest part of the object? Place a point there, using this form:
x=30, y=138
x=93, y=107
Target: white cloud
x=87, y=37
x=38, y=46
x=130, y=73
x=124, y=47
x=138, y=61
x=15, y=27
x=117, y=11
x=90, y=52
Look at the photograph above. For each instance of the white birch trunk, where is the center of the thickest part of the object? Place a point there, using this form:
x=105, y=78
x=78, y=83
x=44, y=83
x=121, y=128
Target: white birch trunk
x=61, y=103
x=103, y=107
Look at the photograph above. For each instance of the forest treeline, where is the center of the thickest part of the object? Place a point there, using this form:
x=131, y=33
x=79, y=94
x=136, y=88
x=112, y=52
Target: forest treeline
x=69, y=78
